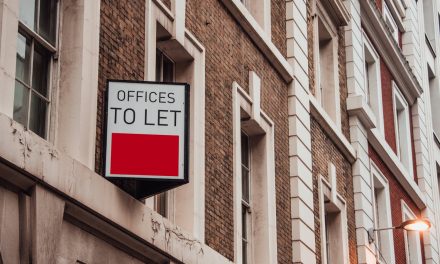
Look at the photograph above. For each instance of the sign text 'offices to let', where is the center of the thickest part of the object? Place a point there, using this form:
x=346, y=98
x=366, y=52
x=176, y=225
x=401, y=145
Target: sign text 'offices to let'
x=147, y=130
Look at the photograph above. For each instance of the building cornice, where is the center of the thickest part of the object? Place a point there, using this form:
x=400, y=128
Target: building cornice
x=389, y=51
x=396, y=167
x=260, y=38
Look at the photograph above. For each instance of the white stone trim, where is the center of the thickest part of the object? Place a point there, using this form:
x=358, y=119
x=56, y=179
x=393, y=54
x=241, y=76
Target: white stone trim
x=189, y=199
x=331, y=129
x=330, y=102
x=73, y=181
x=390, y=21
x=329, y=189
x=300, y=156
x=391, y=160
x=8, y=46
x=260, y=10
x=260, y=38
x=387, y=241
x=390, y=52
x=77, y=88
x=406, y=145
x=407, y=214
x=375, y=96
x=264, y=233
x=396, y=10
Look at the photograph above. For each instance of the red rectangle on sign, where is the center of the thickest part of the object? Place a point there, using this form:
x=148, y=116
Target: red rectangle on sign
x=139, y=154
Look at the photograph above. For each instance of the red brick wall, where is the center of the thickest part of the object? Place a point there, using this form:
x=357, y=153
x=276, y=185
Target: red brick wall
x=323, y=152
x=397, y=193
x=121, y=54
x=230, y=55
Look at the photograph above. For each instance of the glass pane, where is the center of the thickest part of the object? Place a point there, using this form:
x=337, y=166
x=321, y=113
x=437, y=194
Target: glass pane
x=22, y=66
x=161, y=204
x=47, y=19
x=21, y=101
x=27, y=13
x=40, y=70
x=245, y=184
x=245, y=150
x=37, y=118
x=158, y=65
x=168, y=70
x=244, y=222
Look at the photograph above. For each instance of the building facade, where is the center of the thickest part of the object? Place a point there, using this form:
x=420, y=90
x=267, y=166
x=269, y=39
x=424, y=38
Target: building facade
x=312, y=123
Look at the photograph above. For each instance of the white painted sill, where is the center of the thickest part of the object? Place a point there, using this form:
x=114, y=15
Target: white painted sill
x=406, y=179
x=332, y=130
x=260, y=38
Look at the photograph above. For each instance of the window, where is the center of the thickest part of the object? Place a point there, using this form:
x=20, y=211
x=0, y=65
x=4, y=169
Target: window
x=36, y=42
x=245, y=197
x=402, y=129
x=333, y=220
x=372, y=80
x=165, y=70
x=391, y=23
x=255, y=239
x=382, y=217
x=412, y=238
x=326, y=66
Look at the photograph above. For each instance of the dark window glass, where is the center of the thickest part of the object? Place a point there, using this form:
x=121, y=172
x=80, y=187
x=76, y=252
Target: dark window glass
x=164, y=68
x=40, y=70
x=37, y=118
x=161, y=204
x=47, y=20
x=21, y=102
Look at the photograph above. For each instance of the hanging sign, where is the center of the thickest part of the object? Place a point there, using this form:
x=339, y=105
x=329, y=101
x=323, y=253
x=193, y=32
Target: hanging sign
x=147, y=131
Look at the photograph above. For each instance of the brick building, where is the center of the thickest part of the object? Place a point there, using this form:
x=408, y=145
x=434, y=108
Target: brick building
x=311, y=123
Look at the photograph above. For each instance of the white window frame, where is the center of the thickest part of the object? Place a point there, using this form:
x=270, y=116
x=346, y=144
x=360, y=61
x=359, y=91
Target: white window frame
x=186, y=204
x=260, y=129
x=408, y=214
x=373, y=92
x=403, y=136
x=390, y=21
x=336, y=201
x=260, y=11
x=330, y=99
x=384, y=237
x=53, y=69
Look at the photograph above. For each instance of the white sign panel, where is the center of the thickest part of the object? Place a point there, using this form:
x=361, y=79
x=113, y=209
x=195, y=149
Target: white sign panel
x=147, y=130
